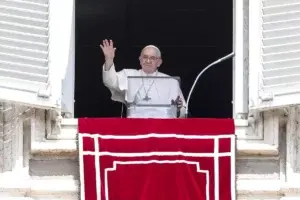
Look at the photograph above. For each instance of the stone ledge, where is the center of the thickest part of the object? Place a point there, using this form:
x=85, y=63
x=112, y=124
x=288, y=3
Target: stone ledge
x=65, y=144
x=69, y=122
x=66, y=186
x=69, y=148
x=69, y=129
x=266, y=188
x=37, y=186
x=258, y=187
x=54, y=168
x=50, y=146
x=250, y=148
x=54, y=149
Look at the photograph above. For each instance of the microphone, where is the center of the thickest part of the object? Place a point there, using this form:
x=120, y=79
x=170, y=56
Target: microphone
x=199, y=75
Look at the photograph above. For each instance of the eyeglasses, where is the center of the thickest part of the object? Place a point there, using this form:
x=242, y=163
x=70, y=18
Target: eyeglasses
x=151, y=58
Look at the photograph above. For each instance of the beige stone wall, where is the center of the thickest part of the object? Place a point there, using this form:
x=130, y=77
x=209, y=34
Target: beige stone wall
x=17, y=126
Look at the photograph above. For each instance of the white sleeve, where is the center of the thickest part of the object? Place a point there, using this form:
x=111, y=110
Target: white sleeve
x=114, y=80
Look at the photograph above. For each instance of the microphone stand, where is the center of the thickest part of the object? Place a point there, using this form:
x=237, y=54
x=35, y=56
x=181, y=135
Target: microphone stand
x=200, y=74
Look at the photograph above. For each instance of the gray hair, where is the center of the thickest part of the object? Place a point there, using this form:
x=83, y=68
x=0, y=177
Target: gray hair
x=158, y=53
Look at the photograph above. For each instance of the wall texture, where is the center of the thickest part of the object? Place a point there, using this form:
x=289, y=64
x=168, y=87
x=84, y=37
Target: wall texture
x=18, y=124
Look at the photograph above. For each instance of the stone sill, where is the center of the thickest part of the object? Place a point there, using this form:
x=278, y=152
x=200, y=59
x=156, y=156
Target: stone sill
x=54, y=149
x=67, y=186
x=39, y=186
x=266, y=187
x=68, y=147
x=65, y=148
x=245, y=148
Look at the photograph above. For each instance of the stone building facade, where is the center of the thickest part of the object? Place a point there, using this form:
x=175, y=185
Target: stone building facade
x=38, y=150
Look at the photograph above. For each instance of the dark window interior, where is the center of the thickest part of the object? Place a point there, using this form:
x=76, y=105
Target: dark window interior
x=191, y=34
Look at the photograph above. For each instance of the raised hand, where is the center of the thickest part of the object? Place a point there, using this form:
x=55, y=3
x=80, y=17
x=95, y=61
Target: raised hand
x=108, y=49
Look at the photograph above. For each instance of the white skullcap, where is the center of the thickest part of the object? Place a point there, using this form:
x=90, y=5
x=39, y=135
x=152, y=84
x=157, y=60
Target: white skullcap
x=154, y=47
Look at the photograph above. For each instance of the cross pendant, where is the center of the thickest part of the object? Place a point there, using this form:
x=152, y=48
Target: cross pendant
x=146, y=98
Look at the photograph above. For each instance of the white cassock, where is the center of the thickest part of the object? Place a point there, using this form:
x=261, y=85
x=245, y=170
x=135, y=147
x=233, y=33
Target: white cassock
x=152, y=93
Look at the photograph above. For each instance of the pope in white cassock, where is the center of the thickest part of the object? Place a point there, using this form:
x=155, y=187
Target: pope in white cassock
x=143, y=91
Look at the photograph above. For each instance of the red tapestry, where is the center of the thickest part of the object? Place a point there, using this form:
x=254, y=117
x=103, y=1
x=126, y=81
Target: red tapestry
x=157, y=159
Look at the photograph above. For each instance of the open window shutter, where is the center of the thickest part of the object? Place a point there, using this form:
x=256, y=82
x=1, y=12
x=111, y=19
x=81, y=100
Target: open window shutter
x=274, y=53
x=24, y=73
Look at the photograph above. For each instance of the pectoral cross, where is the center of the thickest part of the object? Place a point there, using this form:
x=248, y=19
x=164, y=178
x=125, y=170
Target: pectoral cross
x=146, y=98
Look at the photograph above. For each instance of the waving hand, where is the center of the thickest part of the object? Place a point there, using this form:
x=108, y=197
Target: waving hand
x=108, y=49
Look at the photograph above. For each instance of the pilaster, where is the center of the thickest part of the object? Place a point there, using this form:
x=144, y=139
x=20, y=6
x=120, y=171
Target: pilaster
x=293, y=147
x=14, y=139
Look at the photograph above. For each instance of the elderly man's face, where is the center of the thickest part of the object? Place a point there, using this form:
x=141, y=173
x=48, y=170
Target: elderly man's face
x=149, y=60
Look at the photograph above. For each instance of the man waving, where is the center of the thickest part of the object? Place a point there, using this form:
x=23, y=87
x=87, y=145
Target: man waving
x=145, y=91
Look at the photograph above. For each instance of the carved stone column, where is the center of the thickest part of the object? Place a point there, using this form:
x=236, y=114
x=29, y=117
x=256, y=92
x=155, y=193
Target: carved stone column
x=14, y=128
x=7, y=140
x=293, y=146
x=292, y=155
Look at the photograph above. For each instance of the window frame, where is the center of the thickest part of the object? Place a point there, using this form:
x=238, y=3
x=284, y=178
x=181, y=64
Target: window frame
x=257, y=132
x=249, y=127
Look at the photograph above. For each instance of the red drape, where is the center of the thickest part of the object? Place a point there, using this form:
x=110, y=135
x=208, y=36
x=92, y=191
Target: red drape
x=157, y=159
